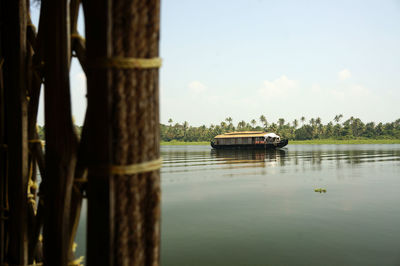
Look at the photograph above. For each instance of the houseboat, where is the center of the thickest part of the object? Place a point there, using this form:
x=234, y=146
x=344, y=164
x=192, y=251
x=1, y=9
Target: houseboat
x=248, y=140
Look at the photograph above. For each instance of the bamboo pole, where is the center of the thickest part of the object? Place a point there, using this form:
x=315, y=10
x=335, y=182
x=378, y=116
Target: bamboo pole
x=33, y=103
x=3, y=156
x=136, y=134
x=60, y=139
x=35, y=147
x=15, y=84
x=34, y=79
x=98, y=43
x=77, y=191
x=124, y=210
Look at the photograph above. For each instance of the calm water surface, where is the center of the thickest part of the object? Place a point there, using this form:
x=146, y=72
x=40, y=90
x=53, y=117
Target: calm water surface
x=260, y=208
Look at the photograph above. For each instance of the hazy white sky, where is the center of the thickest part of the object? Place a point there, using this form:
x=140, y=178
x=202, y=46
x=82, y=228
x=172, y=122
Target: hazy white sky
x=278, y=58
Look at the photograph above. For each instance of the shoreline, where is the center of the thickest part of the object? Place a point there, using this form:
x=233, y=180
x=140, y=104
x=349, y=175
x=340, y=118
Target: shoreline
x=300, y=142
x=345, y=141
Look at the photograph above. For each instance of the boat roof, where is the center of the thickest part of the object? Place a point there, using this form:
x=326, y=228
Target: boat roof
x=242, y=134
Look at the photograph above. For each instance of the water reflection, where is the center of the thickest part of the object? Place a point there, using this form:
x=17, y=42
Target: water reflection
x=248, y=156
x=229, y=207
x=244, y=163
x=192, y=158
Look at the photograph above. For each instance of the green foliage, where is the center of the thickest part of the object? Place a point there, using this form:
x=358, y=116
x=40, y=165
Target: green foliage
x=175, y=142
x=351, y=129
x=40, y=130
x=345, y=141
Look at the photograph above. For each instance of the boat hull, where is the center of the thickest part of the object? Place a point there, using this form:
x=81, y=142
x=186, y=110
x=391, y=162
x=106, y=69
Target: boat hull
x=280, y=144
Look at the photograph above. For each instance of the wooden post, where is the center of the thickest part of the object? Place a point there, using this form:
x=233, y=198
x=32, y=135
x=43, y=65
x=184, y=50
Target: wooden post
x=123, y=118
x=80, y=169
x=3, y=158
x=60, y=139
x=98, y=115
x=35, y=147
x=3, y=146
x=15, y=85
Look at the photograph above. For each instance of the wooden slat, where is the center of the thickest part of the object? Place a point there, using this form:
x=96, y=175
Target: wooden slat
x=98, y=43
x=79, y=46
x=3, y=154
x=35, y=148
x=33, y=103
x=60, y=139
x=15, y=84
x=80, y=169
x=78, y=187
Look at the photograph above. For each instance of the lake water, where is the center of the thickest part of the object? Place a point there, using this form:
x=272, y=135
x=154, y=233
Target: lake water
x=260, y=208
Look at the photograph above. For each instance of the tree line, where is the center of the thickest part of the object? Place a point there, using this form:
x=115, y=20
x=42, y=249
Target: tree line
x=298, y=129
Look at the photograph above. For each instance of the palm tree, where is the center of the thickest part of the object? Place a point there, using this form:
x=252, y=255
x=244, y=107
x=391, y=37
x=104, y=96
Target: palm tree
x=264, y=121
x=295, y=123
x=302, y=119
x=273, y=127
x=253, y=122
x=170, y=122
x=337, y=118
x=319, y=126
x=358, y=127
x=281, y=122
x=223, y=126
x=229, y=120
x=185, y=127
x=248, y=126
x=241, y=124
x=397, y=123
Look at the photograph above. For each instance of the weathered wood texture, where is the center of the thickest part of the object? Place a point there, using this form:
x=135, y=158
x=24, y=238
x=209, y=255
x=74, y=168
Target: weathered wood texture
x=61, y=142
x=13, y=40
x=124, y=210
x=136, y=198
x=121, y=128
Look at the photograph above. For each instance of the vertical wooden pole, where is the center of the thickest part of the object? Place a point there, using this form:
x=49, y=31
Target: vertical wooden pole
x=76, y=197
x=3, y=158
x=15, y=84
x=35, y=148
x=123, y=119
x=60, y=139
x=136, y=198
x=98, y=115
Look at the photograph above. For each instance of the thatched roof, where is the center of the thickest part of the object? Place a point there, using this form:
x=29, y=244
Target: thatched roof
x=242, y=134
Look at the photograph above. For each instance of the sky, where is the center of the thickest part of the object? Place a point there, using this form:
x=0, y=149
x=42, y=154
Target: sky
x=281, y=59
